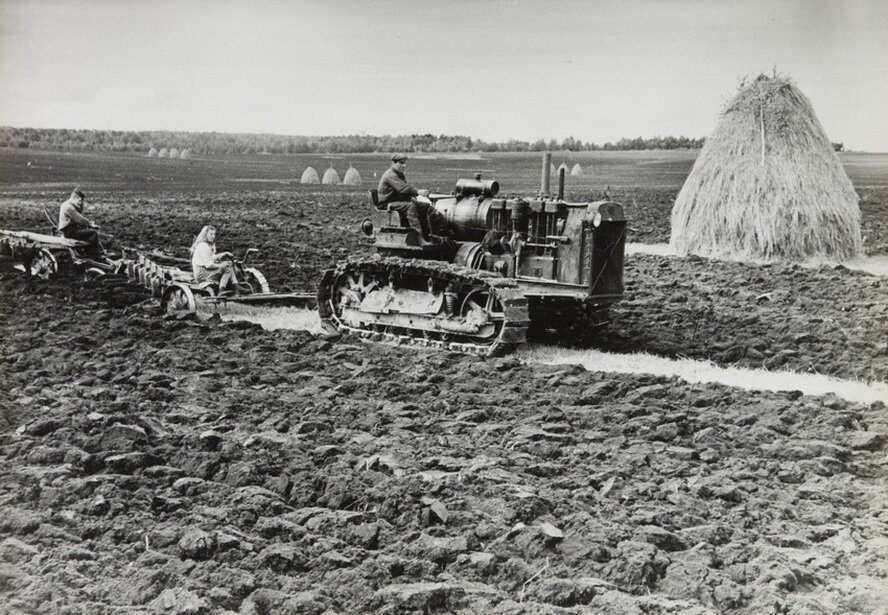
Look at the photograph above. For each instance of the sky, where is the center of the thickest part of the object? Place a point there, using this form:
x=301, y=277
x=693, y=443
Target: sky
x=595, y=70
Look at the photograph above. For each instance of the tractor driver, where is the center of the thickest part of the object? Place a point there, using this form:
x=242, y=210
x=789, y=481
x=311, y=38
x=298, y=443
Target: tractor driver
x=73, y=224
x=395, y=193
x=208, y=266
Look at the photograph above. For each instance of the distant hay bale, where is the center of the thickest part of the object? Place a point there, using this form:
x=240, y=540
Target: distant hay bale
x=767, y=184
x=310, y=176
x=331, y=176
x=163, y=153
x=352, y=177
x=553, y=169
x=152, y=152
x=577, y=169
x=174, y=153
x=185, y=155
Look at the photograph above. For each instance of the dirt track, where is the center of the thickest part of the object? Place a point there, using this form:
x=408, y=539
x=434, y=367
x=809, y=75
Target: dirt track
x=154, y=465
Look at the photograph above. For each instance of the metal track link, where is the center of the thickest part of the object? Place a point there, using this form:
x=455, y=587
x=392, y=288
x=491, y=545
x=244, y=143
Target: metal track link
x=515, y=308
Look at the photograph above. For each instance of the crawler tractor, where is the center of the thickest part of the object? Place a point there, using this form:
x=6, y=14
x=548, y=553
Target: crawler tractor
x=498, y=270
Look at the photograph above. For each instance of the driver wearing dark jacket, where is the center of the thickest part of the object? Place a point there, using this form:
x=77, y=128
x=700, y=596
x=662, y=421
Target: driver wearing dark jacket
x=395, y=193
x=74, y=225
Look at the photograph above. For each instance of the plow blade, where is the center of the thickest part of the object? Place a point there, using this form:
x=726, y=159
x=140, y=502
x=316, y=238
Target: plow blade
x=301, y=300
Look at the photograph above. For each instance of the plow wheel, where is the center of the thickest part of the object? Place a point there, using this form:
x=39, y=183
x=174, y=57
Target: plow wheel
x=178, y=299
x=255, y=280
x=44, y=265
x=92, y=274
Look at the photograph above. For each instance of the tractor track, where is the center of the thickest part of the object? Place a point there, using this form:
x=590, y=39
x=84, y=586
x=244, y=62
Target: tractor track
x=512, y=333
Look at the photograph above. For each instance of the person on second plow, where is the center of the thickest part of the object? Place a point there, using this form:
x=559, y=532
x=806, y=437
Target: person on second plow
x=209, y=266
x=395, y=193
x=74, y=225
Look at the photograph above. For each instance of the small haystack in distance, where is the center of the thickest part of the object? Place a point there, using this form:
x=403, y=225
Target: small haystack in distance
x=185, y=155
x=310, y=176
x=174, y=152
x=767, y=184
x=331, y=176
x=163, y=153
x=352, y=177
x=564, y=166
x=577, y=169
x=152, y=152
x=553, y=169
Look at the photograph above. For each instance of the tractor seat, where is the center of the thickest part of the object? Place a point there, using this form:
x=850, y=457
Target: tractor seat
x=374, y=200
x=383, y=216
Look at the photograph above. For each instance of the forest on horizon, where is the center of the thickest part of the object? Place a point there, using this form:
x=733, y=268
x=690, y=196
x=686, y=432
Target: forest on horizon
x=210, y=143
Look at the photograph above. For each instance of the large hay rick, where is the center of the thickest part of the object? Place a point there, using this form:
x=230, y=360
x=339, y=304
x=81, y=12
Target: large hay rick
x=767, y=184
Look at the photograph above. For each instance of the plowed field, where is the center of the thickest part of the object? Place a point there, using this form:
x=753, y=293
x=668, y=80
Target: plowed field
x=164, y=465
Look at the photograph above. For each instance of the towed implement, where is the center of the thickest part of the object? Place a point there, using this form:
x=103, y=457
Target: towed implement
x=498, y=271
x=168, y=280
x=43, y=256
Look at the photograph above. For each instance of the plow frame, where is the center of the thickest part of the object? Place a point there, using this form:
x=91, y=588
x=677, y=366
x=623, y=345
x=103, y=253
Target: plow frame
x=179, y=293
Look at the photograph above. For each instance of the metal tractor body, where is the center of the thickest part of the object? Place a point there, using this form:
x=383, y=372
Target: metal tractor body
x=501, y=268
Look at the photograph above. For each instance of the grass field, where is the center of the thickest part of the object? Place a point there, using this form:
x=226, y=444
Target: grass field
x=107, y=174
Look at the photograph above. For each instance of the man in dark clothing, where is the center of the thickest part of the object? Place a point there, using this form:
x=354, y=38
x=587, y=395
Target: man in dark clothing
x=397, y=195
x=74, y=225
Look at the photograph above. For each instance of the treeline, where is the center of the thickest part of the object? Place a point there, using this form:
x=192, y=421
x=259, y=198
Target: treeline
x=225, y=143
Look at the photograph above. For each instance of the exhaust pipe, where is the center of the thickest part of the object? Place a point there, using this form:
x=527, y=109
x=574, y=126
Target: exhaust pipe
x=547, y=164
x=561, y=173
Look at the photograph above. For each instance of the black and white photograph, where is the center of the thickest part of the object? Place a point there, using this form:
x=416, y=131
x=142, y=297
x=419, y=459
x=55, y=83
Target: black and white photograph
x=470, y=307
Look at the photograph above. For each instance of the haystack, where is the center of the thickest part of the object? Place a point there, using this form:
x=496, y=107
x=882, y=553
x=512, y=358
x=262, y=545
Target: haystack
x=331, y=176
x=163, y=153
x=577, y=169
x=352, y=177
x=552, y=169
x=563, y=166
x=767, y=184
x=152, y=152
x=174, y=152
x=185, y=155
x=310, y=176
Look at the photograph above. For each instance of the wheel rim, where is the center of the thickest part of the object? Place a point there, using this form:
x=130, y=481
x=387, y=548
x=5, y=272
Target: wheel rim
x=256, y=281
x=481, y=306
x=93, y=273
x=350, y=289
x=482, y=300
x=44, y=265
x=177, y=301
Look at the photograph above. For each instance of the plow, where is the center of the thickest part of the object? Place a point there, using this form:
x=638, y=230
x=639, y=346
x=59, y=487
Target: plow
x=168, y=280
x=164, y=277
x=43, y=256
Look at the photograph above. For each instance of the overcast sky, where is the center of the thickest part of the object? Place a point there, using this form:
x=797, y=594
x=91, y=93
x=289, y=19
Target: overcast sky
x=597, y=70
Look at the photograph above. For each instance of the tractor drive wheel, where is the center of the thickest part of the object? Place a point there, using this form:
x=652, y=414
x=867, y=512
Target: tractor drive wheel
x=43, y=265
x=178, y=299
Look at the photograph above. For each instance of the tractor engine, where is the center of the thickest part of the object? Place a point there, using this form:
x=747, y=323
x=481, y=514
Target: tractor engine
x=540, y=238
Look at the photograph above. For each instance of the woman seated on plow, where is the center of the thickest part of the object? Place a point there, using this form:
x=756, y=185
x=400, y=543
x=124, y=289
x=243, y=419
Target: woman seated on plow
x=208, y=266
